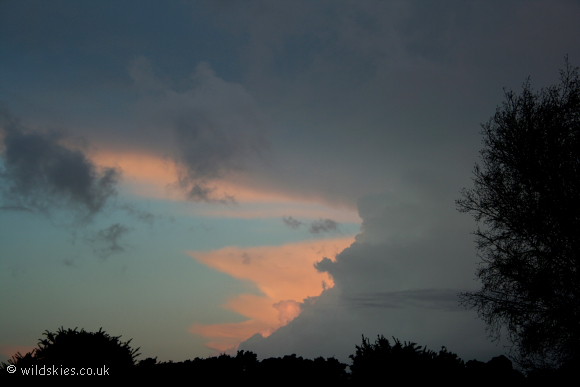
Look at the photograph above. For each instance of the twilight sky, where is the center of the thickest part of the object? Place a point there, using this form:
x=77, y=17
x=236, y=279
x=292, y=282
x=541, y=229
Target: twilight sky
x=277, y=176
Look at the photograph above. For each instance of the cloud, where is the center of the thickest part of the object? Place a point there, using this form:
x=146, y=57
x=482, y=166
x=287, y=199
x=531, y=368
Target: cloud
x=139, y=214
x=400, y=278
x=107, y=241
x=346, y=88
x=224, y=338
x=323, y=225
x=442, y=299
x=215, y=126
x=291, y=222
x=284, y=275
x=288, y=310
x=316, y=227
x=41, y=173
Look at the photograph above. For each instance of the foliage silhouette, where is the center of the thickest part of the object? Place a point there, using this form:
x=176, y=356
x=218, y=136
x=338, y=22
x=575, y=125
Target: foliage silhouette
x=72, y=348
x=396, y=363
x=403, y=361
x=245, y=367
x=525, y=200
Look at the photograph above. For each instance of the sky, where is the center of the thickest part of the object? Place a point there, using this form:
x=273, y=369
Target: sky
x=275, y=176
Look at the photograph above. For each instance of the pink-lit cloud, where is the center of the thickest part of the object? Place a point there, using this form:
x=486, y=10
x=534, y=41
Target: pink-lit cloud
x=144, y=174
x=284, y=275
x=149, y=175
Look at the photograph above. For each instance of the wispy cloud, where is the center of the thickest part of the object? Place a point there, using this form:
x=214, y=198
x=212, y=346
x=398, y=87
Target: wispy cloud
x=137, y=213
x=107, y=241
x=323, y=225
x=316, y=227
x=291, y=222
x=444, y=299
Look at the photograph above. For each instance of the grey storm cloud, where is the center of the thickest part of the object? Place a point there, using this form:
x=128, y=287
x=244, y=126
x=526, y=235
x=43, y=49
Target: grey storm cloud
x=401, y=277
x=379, y=90
x=216, y=126
x=40, y=173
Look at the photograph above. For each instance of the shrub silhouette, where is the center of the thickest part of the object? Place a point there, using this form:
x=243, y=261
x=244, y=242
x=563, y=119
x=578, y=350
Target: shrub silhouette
x=79, y=348
x=403, y=362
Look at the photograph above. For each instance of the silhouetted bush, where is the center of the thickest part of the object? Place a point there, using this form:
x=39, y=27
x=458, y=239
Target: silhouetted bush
x=402, y=362
x=75, y=350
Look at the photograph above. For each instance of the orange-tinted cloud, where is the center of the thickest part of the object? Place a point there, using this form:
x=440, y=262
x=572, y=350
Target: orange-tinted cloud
x=156, y=173
x=225, y=338
x=150, y=175
x=285, y=276
x=144, y=174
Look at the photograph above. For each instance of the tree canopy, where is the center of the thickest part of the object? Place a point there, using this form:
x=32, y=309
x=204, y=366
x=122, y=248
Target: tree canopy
x=525, y=199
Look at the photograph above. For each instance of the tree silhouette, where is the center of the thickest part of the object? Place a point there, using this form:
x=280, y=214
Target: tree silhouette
x=525, y=200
